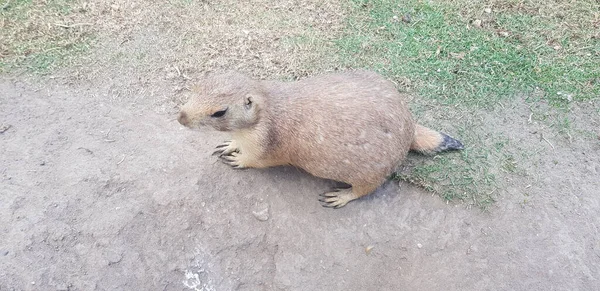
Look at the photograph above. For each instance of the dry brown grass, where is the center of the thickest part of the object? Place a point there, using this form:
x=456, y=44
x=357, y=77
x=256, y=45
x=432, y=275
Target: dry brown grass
x=184, y=38
x=39, y=34
x=176, y=38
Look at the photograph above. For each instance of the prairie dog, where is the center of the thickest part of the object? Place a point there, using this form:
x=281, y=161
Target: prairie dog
x=352, y=127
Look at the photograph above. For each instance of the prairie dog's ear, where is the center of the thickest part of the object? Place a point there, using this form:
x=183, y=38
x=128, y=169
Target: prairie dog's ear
x=248, y=101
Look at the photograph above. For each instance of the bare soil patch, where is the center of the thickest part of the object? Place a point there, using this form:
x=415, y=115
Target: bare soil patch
x=101, y=195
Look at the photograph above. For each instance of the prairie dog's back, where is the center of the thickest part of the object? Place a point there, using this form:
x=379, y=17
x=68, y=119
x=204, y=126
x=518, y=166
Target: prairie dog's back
x=353, y=120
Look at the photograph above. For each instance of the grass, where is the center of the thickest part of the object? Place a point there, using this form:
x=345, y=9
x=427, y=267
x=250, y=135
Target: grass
x=456, y=62
x=462, y=59
x=38, y=36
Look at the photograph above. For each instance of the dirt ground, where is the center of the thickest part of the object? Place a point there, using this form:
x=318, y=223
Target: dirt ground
x=102, y=189
x=101, y=195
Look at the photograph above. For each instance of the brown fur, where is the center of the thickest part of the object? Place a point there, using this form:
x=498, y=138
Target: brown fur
x=426, y=140
x=351, y=127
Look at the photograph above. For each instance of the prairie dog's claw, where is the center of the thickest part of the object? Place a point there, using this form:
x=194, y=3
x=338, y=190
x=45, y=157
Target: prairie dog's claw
x=226, y=148
x=336, y=198
x=234, y=159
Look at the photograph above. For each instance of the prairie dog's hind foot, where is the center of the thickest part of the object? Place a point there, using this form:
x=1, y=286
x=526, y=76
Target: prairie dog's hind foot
x=337, y=198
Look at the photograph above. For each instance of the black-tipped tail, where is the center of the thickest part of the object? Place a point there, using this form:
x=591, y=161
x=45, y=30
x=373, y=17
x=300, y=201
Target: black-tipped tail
x=428, y=141
x=449, y=143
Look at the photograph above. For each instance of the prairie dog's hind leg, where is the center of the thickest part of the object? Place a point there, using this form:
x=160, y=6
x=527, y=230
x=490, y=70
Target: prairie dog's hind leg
x=340, y=197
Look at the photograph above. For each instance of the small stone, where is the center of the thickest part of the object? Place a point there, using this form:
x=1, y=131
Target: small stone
x=487, y=10
x=419, y=245
x=472, y=249
x=4, y=128
x=477, y=23
x=406, y=18
x=368, y=249
x=262, y=215
x=63, y=287
x=459, y=56
x=503, y=33
x=112, y=257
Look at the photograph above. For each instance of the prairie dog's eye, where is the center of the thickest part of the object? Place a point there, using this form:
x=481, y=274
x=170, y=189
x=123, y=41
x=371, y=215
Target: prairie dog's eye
x=219, y=113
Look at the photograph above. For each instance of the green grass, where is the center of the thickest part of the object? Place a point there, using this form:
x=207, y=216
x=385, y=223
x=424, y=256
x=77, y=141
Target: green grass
x=457, y=63
x=37, y=37
x=458, y=68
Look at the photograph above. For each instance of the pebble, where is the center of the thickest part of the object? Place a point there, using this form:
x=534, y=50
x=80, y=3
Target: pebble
x=113, y=257
x=262, y=215
x=406, y=18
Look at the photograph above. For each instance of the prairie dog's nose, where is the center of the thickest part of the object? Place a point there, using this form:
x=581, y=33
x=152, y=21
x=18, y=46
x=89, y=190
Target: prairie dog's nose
x=183, y=118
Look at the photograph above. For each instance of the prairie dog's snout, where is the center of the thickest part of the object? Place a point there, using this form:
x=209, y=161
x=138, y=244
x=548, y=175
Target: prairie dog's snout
x=183, y=118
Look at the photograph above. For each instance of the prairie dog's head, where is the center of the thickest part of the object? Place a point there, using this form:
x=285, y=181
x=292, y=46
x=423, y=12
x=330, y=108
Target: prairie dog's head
x=227, y=102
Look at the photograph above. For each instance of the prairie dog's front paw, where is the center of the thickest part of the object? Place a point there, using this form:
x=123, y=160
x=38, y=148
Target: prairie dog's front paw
x=227, y=148
x=235, y=159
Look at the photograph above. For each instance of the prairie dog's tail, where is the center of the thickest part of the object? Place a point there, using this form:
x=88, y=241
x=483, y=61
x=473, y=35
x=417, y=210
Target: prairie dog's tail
x=428, y=141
